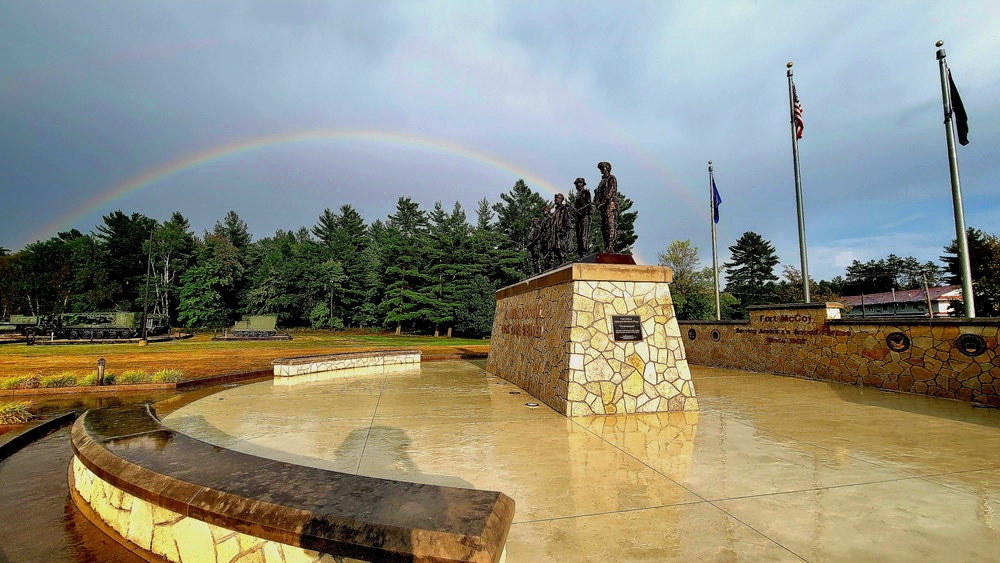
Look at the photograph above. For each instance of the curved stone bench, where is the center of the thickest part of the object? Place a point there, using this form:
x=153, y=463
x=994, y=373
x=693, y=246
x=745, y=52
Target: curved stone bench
x=187, y=500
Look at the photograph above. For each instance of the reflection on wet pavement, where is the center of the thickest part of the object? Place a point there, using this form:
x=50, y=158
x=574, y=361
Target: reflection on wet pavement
x=39, y=520
x=771, y=468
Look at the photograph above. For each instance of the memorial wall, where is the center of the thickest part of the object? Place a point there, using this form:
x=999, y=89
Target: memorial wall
x=952, y=358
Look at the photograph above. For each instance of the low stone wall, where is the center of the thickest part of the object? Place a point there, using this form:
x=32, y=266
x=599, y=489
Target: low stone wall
x=172, y=535
x=184, y=500
x=553, y=336
x=294, y=380
x=286, y=367
x=951, y=358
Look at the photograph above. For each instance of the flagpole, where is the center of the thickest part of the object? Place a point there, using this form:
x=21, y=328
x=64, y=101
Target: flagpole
x=798, y=191
x=956, y=187
x=715, y=252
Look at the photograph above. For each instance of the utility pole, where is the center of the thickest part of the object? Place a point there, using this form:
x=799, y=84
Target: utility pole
x=145, y=298
x=927, y=294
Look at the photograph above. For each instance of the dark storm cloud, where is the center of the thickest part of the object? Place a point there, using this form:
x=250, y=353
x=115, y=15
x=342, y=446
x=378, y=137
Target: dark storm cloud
x=94, y=94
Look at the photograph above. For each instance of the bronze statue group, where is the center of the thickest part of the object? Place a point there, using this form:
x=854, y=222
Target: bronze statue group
x=549, y=237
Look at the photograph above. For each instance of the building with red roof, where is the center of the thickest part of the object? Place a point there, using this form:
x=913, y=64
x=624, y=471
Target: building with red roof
x=907, y=302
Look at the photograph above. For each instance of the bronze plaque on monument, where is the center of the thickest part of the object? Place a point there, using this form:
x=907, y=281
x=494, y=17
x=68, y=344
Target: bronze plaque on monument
x=626, y=327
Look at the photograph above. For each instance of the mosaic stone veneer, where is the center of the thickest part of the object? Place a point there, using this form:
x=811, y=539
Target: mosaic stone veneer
x=176, y=537
x=951, y=358
x=553, y=337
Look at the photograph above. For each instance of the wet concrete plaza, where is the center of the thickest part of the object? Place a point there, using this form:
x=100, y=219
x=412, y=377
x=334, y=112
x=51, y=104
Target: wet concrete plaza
x=770, y=468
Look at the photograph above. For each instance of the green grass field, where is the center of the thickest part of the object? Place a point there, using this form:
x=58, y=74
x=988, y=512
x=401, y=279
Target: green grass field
x=200, y=357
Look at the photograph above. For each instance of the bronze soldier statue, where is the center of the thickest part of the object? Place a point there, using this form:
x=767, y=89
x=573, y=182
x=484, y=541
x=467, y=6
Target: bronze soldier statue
x=535, y=245
x=606, y=196
x=547, y=236
x=560, y=230
x=582, y=209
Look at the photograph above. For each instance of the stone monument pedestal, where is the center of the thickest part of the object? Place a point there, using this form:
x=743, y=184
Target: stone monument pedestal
x=589, y=339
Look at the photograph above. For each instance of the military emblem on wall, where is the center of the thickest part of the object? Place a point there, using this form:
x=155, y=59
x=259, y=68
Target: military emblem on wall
x=970, y=344
x=897, y=341
x=716, y=335
x=692, y=334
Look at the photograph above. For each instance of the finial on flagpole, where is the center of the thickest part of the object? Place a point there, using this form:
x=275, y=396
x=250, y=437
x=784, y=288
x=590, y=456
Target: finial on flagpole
x=789, y=65
x=709, y=162
x=939, y=44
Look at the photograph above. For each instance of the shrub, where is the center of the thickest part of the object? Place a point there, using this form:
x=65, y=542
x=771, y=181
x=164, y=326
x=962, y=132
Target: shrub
x=22, y=382
x=109, y=378
x=15, y=412
x=89, y=379
x=64, y=379
x=168, y=376
x=132, y=377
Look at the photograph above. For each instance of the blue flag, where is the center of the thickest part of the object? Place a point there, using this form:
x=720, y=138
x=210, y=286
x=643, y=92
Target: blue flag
x=716, y=200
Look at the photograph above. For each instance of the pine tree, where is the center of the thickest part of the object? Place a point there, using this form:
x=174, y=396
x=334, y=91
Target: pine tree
x=494, y=252
x=487, y=263
x=122, y=239
x=453, y=262
x=475, y=316
x=891, y=273
x=750, y=275
x=405, y=250
x=514, y=214
x=348, y=242
x=331, y=276
x=235, y=229
x=626, y=225
x=984, y=263
x=325, y=227
x=372, y=277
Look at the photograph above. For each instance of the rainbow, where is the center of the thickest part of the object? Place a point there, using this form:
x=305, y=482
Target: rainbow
x=105, y=199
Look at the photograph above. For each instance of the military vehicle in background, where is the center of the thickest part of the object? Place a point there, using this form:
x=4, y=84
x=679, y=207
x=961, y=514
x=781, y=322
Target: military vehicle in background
x=256, y=326
x=19, y=323
x=101, y=326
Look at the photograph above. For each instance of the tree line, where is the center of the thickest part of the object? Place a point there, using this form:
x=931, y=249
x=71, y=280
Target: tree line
x=431, y=271
x=750, y=278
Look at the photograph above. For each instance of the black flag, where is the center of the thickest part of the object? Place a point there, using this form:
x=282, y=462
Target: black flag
x=961, y=118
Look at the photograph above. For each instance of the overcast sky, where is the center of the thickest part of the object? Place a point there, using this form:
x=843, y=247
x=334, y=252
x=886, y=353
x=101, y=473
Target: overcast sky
x=460, y=98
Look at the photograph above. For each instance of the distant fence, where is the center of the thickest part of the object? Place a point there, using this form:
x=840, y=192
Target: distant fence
x=952, y=358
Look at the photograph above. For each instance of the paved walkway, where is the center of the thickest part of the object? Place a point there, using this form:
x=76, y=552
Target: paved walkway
x=770, y=468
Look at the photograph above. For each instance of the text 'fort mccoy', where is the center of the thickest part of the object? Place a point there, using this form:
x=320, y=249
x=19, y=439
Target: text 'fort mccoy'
x=785, y=319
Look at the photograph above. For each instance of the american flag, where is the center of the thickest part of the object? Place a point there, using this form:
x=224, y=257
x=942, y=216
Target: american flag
x=799, y=124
